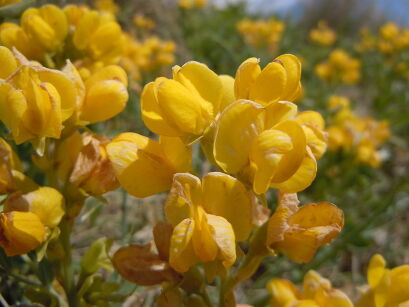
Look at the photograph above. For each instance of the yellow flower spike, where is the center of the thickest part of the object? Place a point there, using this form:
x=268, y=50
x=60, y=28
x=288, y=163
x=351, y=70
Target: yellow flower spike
x=185, y=106
x=299, y=232
x=279, y=80
x=93, y=171
x=283, y=292
x=45, y=202
x=20, y=232
x=46, y=26
x=141, y=164
x=106, y=94
x=206, y=224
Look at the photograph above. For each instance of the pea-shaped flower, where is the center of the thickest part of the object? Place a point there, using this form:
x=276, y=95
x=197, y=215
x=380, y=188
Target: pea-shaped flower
x=208, y=218
x=99, y=36
x=45, y=202
x=278, y=81
x=46, y=26
x=264, y=146
x=298, y=232
x=34, y=101
x=145, y=167
x=20, y=232
x=102, y=95
x=184, y=106
x=387, y=287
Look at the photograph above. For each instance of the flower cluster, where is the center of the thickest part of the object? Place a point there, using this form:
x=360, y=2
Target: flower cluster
x=248, y=128
x=262, y=33
x=322, y=34
x=190, y=4
x=386, y=287
x=361, y=135
x=340, y=67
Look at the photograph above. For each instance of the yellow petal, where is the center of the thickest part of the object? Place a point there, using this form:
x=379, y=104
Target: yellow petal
x=292, y=160
x=85, y=28
x=237, y=127
x=185, y=193
x=333, y=298
x=152, y=114
x=302, y=178
x=199, y=79
x=292, y=66
x=398, y=291
x=185, y=109
x=269, y=85
x=313, y=282
x=204, y=243
x=182, y=255
x=225, y=196
x=376, y=270
x=224, y=237
x=21, y=232
x=283, y=292
x=109, y=72
x=246, y=75
x=279, y=111
x=7, y=62
x=47, y=203
x=179, y=154
x=140, y=164
x=228, y=91
x=103, y=101
x=312, y=118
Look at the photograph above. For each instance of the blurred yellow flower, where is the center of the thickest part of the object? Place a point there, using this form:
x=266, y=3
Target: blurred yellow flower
x=367, y=41
x=34, y=101
x=206, y=223
x=144, y=166
x=47, y=26
x=184, y=106
x=262, y=33
x=189, y=4
x=108, y=6
x=265, y=146
x=298, y=232
x=323, y=35
x=20, y=232
x=143, y=22
x=99, y=36
x=387, y=287
x=280, y=80
x=7, y=2
x=340, y=67
x=317, y=292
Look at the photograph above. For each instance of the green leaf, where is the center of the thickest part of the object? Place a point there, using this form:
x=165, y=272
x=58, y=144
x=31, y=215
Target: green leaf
x=96, y=256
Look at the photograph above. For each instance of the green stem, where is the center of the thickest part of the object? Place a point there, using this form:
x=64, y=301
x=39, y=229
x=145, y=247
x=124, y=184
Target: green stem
x=257, y=251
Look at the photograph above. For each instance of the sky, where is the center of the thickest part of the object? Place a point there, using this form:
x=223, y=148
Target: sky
x=397, y=10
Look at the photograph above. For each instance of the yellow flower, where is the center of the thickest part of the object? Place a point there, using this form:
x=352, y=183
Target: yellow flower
x=317, y=292
x=45, y=202
x=389, y=31
x=7, y=2
x=20, y=232
x=387, y=287
x=262, y=33
x=367, y=41
x=108, y=6
x=264, y=146
x=188, y=4
x=9, y=163
x=340, y=67
x=323, y=34
x=278, y=81
x=184, y=106
x=12, y=35
x=99, y=36
x=74, y=13
x=102, y=95
x=34, y=101
x=82, y=160
x=46, y=26
x=143, y=22
x=144, y=166
x=206, y=223
x=298, y=232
